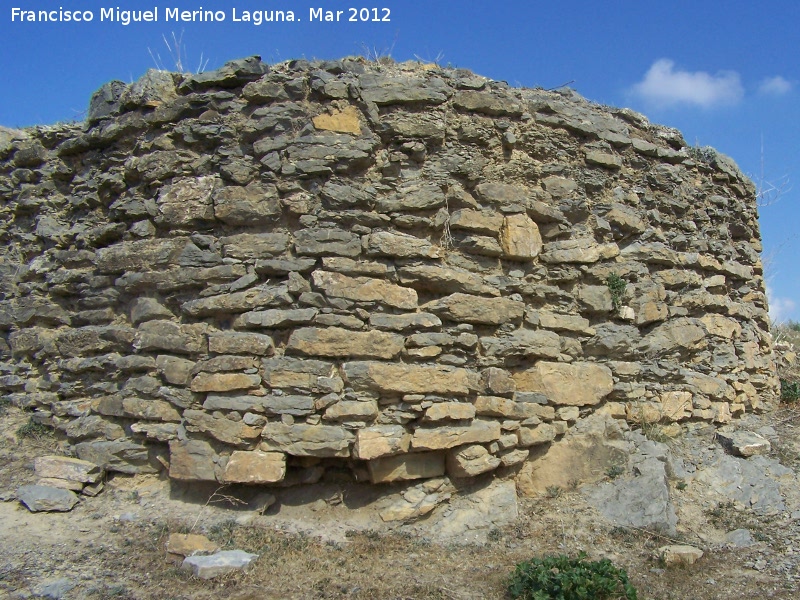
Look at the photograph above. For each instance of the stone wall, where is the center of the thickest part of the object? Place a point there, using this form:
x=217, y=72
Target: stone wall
x=262, y=274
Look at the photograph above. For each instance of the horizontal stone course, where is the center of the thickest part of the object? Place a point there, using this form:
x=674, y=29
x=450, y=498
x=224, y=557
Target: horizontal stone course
x=259, y=274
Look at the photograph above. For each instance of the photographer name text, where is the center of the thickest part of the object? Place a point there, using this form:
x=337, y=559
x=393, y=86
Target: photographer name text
x=201, y=15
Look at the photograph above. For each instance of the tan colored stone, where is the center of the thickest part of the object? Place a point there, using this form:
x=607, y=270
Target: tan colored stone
x=559, y=322
x=579, y=250
x=191, y=460
x=484, y=222
x=337, y=342
x=381, y=440
x=679, y=555
x=189, y=544
x=255, y=467
x=365, y=289
x=454, y=411
x=343, y=121
x=352, y=410
x=400, y=245
x=676, y=406
x=464, y=308
x=573, y=384
x=67, y=468
x=224, y=382
x=440, y=438
x=235, y=433
x=532, y=436
x=152, y=410
x=494, y=406
x=187, y=200
x=64, y=484
x=419, y=465
x=174, y=370
x=408, y=379
x=470, y=461
x=722, y=326
x=498, y=381
x=520, y=237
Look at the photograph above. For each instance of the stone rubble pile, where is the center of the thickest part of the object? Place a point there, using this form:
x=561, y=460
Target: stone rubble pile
x=260, y=274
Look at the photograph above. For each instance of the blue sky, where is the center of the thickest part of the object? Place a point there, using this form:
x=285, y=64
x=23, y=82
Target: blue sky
x=725, y=73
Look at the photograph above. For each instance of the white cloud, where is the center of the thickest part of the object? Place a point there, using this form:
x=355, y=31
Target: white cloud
x=780, y=309
x=775, y=86
x=663, y=85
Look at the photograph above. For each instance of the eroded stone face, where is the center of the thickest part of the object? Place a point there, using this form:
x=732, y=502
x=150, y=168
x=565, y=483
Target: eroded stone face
x=402, y=272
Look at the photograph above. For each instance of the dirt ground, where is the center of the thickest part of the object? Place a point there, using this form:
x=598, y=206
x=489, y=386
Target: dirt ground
x=326, y=544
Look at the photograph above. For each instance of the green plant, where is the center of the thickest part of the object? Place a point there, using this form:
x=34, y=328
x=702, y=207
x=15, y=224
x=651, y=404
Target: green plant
x=553, y=491
x=790, y=391
x=614, y=471
x=616, y=285
x=563, y=578
x=4, y=404
x=681, y=485
x=33, y=429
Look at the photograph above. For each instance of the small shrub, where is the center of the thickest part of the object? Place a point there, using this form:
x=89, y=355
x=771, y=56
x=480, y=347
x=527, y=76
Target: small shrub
x=33, y=429
x=564, y=578
x=790, y=391
x=616, y=285
x=553, y=491
x=614, y=471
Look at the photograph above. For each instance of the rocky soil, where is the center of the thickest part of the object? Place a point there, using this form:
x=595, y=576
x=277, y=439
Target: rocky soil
x=330, y=541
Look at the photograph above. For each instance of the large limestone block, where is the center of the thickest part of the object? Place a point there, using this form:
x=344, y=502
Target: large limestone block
x=254, y=245
x=238, y=302
x=441, y=438
x=255, y=467
x=224, y=382
x=381, y=440
x=342, y=121
x=539, y=434
x=495, y=406
x=520, y=237
x=187, y=200
x=216, y=565
x=42, y=498
x=235, y=433
x=352, y=410
x=364, y=289
x=400, y=245
x=255, y=204
x=445, y=279
x=676, y=334
x=64, y=467
x=408, y=379
x=453, y=411
x=140, y=255
x=721, y=326
x=412, y=321
x=572, y=384
x=191, y=460
x=470, y=461
x=319, y=242
x=481, y=222
x=308, y=440
x=171, y=337
x=676, y=405
x=476, y=309
x=285, y=404
x=276, y=318
x=233, y=342
x=579, y=250
x=419, y=465
x=337, y=342
x=174, y=370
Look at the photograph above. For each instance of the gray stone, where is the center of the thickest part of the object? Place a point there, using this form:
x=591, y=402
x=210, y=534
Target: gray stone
x=743, y=443
x=221, y=563
x=55, y=588
x=40, y=498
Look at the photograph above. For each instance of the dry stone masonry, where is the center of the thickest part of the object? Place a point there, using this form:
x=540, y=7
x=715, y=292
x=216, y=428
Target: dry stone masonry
x=398, y=271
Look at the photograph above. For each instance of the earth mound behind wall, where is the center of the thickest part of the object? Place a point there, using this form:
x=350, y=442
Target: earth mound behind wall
x=260, y=274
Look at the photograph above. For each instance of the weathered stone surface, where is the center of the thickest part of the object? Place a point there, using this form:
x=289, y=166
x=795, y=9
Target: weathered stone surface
x=677, y=334
x=191, y=460
x=488, y=104
x=275, y=318
x=238, y=302
x=676, y=406
x=235, y=433
x=579, y=250
x=352, y=410
x=187, y=201
x=475, y=309
x=64, y=467
x=678, y=555
x=246, y=246
x=414, y=321
x=224, y=382
x=381, y=440
x=344, y=121
x=230, y=342
x=308, y=440
x=254, y=467
x=470, y=461
x=407, y=379
x=480, y=222
x=494, y=406
x=384, y=243
x=39, y=498
x=215, y=565
x=439, y=438
x=171, y=337
x=445, y=279
x=523, y=343
x=189, y=544
x=322, y=242
x=365, y=289
x=285, y=404
x=248, y=205
x=147, y=309
x=538, y=434
x=337, y=342
x=520, y=238
x=572, y=384
x=174, y=370
x=419, y=465
x=453, y=411
x=121, y=456
x=743, y=443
